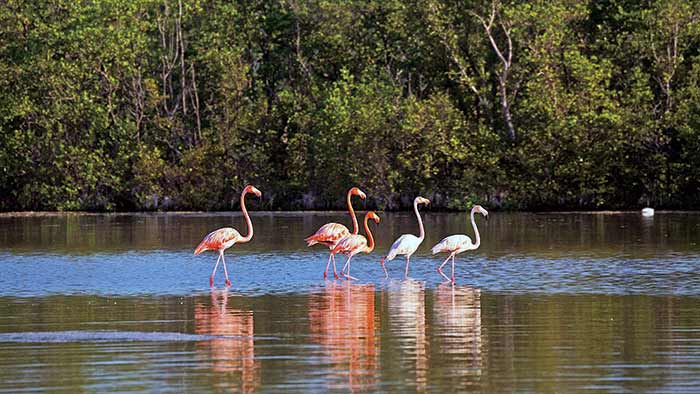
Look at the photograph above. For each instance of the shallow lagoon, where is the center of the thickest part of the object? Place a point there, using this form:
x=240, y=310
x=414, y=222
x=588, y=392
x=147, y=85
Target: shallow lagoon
x=549, y=303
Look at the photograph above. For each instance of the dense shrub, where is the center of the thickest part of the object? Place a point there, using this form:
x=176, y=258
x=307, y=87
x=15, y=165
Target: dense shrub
x=173, y=104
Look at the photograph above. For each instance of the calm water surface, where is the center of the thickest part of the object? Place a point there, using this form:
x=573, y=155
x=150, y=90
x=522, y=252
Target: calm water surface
x=549, y=303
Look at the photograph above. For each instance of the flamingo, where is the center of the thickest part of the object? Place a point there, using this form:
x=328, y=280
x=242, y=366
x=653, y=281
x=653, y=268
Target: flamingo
x=224, y=238
x=455, y=244
x=353, y=244
x=330, y=233
x=407, y=243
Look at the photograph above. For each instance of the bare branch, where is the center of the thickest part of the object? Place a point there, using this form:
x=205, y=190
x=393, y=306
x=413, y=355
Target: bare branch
x=195, y=98
x=506, y=60
x=181, y=45
x=453, y=52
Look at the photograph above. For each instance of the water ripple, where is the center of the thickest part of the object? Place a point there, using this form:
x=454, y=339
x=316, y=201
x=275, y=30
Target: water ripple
x=110, y=336
x=180, y=273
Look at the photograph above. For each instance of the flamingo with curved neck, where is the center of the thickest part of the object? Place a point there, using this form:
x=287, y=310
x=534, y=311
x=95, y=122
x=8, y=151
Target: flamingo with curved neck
x=353, y=244
x=330, y=233
x=224, y=238
x=407, y=244
x=351, y=210
x=456, y=244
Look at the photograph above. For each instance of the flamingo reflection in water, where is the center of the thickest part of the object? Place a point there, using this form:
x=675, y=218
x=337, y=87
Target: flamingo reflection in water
x=342, y=321
x=457, y=329
x=406, y=304
x=233, y=358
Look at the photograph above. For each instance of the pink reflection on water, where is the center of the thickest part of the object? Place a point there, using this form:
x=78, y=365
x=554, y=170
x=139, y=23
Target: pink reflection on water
x=342, y=321
x=232, y=358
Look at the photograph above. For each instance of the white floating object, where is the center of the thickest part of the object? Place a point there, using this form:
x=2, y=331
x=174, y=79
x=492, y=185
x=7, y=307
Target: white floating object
x=648, y=212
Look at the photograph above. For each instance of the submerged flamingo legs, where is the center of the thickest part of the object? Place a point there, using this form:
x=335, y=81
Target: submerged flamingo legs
x=335, y=272
x=228, y=282
x=405, y=275
x=347, y=265
x=439, y=270
x=211, y=278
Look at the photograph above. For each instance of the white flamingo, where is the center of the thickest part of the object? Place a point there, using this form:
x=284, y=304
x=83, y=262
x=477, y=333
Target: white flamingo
x=455, y=244
x=407, y=243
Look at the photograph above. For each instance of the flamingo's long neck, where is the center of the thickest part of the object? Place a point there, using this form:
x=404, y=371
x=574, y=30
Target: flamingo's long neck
x=370, y=243
x=355, y=226
x=476, y=231
x=248, y=237
x=421, y=234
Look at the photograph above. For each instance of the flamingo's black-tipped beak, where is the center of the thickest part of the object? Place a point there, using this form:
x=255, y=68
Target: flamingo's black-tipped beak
x=253, y=189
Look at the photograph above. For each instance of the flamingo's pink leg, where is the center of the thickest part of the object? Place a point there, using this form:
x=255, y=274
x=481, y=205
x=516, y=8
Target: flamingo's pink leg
x=228, y=282
x=342, y=271
x=211, y=278
x=453, y=268
x=325, y=273
x=439, y=270
x=347, y=265
x=334, y=270
x=386, y=274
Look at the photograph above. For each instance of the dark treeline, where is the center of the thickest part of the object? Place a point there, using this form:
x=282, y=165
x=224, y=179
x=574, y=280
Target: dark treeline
x=167, y=104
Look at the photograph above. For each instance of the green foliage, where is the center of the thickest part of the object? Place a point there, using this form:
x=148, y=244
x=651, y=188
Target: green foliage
x=173, y=104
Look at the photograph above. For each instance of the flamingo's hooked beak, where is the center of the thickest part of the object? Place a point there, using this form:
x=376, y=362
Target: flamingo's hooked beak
x=255, y=191
x=356, y=191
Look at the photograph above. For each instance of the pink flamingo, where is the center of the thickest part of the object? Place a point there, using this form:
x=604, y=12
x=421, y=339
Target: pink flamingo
x=353, y=244
x=330, y=233
x=224, y=238
x=407, y=243
x=455, y=244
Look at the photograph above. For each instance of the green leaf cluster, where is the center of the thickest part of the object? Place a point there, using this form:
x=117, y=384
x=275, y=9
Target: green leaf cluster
x=177, y=104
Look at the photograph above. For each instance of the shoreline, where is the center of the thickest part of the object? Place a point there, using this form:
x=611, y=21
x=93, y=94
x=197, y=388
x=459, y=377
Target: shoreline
x=312, y=212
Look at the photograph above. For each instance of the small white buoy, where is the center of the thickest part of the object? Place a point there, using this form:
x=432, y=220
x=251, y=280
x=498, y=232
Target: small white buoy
x=648, y=212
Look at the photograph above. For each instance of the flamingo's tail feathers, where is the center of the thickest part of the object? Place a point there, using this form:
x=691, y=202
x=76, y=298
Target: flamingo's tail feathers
x=311, y=240
x=201, y=247
x=437, y=248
